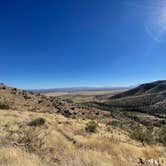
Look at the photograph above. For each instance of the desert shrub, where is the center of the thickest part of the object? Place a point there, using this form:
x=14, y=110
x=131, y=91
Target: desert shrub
x=31, y=139
x=162, y=135
x=91, y=126
x=67, y=113
x=4, y=105
x=145, y=136
x=72, y=108
x=68, y=101
x=113, y=123
x=37, y=122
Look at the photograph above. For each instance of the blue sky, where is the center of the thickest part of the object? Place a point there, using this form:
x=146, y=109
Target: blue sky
x=62, y=43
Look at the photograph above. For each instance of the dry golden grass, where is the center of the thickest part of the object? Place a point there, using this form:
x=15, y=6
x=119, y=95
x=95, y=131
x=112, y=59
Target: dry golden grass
x=10, y=156
x=64, y=142
x=150, y=153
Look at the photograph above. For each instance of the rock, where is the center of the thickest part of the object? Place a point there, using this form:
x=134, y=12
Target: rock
x=149, y=162
x=141, y=161
x=156, y=163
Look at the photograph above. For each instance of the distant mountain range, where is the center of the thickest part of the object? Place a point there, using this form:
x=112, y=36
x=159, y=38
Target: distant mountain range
x=75, y=89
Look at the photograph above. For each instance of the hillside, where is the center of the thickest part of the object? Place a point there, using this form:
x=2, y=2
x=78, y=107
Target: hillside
x=60, y=141
x=37, y=130
x=147, y=98
x=148, y=88
x=142, y=109
x=16, y=99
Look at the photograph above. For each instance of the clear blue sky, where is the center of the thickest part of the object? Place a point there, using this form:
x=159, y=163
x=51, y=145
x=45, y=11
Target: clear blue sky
x=67, y=43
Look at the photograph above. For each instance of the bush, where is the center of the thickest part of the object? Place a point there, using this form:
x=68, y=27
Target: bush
x=67, y=113
x=91, y=126
x=145, y=136
x=36, y=122
x=4, y=105
x=162, y=135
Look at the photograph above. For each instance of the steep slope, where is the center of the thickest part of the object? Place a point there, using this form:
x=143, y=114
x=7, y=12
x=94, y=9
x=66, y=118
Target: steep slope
x=147, y=98
x=154, y=87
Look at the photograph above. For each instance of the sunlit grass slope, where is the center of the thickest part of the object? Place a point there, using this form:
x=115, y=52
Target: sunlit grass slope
x=65, y=142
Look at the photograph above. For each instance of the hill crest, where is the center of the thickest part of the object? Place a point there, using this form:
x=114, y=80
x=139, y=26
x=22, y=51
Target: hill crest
x=147, y=88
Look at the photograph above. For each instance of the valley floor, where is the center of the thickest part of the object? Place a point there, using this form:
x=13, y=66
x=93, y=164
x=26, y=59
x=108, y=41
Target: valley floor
x=61, y=141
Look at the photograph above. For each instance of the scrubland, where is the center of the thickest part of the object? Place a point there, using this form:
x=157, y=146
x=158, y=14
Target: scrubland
x=60, y=141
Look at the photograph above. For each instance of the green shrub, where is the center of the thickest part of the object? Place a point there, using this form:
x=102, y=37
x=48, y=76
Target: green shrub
x=37, y=122
x=4, y=105
x=91, y=126
x=145, y=136
x=162, y=135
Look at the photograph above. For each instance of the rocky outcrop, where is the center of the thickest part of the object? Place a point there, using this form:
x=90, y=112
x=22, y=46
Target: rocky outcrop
x=16, y=99
x=149, y=162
